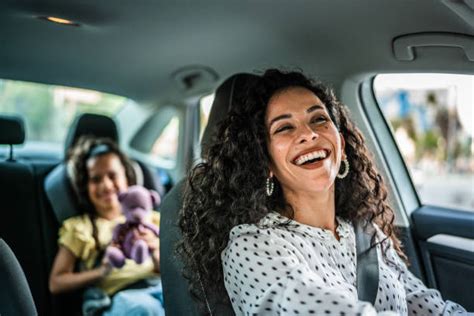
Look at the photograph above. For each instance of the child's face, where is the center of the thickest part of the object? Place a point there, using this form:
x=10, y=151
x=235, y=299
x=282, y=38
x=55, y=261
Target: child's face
x=106, y=179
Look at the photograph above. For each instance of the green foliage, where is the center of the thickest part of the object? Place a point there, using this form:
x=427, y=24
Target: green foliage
x=48, y=117
x=33, y=102
x=428, y=142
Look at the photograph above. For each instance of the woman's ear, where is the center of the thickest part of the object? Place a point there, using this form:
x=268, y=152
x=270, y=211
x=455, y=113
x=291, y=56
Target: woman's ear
x=270, y=172
x=343, y=146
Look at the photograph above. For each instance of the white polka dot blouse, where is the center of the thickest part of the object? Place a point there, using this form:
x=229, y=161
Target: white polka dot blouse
x=295, y=269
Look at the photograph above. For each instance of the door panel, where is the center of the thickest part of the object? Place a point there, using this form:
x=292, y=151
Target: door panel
x=441, y=238
x=446, y=241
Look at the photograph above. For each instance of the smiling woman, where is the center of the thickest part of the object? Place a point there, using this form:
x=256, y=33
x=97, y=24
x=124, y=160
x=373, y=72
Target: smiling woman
x=273, y=208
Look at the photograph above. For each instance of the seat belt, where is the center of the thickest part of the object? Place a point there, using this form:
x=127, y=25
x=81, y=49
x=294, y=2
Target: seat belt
x=367, y=263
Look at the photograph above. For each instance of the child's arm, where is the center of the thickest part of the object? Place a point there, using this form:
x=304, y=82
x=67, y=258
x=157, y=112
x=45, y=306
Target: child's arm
x=63, y=278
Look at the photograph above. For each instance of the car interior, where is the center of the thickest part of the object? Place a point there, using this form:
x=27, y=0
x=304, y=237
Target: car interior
x=163, y=75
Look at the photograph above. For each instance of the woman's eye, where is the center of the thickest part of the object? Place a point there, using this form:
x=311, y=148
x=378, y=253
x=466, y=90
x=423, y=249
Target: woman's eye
x=283, y=128
x=319, y=119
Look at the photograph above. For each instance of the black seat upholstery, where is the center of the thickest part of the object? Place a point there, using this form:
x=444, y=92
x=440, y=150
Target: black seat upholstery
x=91, y=124
x=20, y=224
x=15, y=295
x=177, y=299
x=12, y=132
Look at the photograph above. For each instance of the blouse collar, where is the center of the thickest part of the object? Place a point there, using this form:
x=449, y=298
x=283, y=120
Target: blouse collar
x=343, y=228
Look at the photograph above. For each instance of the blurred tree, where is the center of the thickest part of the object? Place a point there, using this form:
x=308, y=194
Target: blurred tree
x=33, y=102
x=47, y=113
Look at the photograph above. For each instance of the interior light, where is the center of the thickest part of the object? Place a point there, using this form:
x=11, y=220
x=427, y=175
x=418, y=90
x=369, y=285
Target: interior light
x=58, y=20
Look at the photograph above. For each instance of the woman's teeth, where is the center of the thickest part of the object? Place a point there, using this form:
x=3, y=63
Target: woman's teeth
x=320, y=154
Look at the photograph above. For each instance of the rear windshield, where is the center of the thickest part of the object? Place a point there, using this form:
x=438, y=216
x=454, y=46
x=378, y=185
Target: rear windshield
x=48, y=110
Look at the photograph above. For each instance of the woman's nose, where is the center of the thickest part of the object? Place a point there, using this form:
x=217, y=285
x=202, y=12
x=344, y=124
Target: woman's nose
x=307, y=134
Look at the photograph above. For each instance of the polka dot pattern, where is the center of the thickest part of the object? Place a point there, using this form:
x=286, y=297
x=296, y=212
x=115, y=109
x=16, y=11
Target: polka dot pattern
x=270, y=269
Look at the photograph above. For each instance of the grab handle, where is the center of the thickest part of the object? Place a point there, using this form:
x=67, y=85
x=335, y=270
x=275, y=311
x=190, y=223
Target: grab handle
x=404, y=46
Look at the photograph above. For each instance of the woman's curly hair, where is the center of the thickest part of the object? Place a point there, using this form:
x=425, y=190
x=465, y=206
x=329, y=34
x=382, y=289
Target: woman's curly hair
x=77, y=158
x=228, y=188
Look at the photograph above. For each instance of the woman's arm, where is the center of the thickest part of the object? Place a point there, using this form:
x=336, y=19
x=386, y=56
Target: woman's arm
x=63, y=278
x=422, y=300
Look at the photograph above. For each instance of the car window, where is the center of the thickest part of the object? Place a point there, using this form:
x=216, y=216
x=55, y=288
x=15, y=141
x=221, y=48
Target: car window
x=431, y=117
x=48, y=110
x=205, y=105
x=165, y=148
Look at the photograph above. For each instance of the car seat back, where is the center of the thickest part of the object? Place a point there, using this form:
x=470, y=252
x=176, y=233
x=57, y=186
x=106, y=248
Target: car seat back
x=177, y=298
x=15, y=294
x=20, y=225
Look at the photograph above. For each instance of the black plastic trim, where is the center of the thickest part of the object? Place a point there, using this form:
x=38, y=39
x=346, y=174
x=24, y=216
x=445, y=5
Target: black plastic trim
x=434, y=220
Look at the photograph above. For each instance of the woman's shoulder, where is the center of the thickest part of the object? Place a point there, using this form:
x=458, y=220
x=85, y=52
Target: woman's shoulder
x=265, y=226
x=270, y=231
x=379, y=233
x=268, y=238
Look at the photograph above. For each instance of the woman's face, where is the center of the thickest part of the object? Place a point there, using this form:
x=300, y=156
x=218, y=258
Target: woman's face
x=304, y=144
x=106, y=179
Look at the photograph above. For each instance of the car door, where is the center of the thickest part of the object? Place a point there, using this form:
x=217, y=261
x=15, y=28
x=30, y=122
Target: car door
x=425, y=135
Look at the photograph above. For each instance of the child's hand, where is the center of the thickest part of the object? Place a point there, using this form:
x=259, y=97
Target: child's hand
x=151, y=239
x=105, y=267
x=153, y=243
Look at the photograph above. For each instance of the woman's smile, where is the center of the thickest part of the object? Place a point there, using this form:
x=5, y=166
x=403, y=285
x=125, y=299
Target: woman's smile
x=311, y=156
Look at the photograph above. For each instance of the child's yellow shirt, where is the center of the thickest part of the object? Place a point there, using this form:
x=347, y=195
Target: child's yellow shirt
x=76, y=235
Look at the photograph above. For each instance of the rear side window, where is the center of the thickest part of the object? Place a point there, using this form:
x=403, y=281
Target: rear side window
x=49, y=110
x=165, y=148
x=205, y=105
x=431, y=117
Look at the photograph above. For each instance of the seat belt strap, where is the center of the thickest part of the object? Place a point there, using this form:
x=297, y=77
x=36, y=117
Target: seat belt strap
x=367, y=263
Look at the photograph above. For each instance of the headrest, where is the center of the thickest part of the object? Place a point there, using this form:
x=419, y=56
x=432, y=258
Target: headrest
x=12, y=130
x=91, y=124
x=224, y=100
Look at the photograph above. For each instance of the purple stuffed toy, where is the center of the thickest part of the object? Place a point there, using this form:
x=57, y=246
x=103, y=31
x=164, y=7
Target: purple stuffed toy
x=137, y=206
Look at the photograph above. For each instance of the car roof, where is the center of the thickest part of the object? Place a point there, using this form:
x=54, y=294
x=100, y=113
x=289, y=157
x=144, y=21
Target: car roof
x=167, y=50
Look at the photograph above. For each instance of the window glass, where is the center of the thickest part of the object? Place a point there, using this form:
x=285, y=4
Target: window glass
x=431, y=116
x=49, y=110
x=165, y=148
x=205, y=105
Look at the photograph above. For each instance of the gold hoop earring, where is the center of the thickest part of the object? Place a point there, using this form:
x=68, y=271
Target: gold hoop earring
x=346, y=169
x=270, y=186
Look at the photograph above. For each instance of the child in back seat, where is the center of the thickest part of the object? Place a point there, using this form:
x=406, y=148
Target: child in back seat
x=101, y=172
